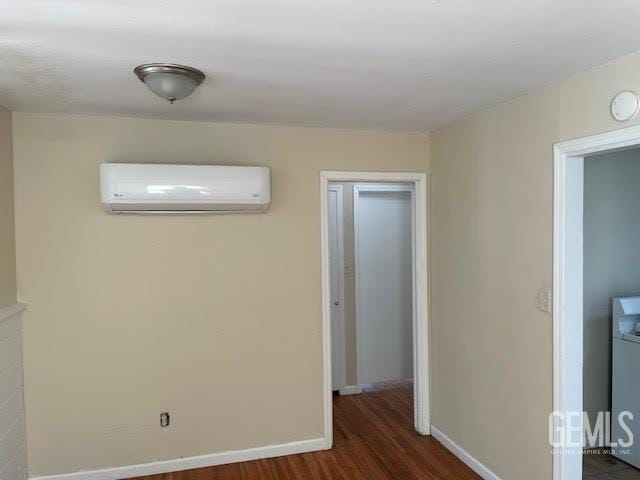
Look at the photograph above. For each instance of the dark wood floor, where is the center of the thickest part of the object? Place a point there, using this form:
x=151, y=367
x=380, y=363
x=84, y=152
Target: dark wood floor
x=373, y=440
x=597, y=464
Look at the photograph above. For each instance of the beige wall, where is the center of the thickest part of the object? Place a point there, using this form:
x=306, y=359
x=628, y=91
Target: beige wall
x=7, y=236
x=611, y=258
x=491, y=231
x=215, y=319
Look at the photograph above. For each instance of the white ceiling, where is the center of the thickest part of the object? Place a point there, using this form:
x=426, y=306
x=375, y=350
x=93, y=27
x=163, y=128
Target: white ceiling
x=372, y=64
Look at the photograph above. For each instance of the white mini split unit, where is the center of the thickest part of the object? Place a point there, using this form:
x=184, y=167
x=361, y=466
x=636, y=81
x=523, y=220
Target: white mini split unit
x=150, y=188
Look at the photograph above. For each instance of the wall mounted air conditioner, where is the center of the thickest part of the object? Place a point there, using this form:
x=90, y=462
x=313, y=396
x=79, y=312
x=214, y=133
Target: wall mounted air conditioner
x=151, y=188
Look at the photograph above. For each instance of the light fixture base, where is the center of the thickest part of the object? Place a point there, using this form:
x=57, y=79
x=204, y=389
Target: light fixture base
x=148, y=68
x=170, y=81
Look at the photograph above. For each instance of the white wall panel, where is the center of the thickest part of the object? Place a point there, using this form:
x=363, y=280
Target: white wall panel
x=11, y=441
x=16, y=467
x=10, y=382
x=13, y=464
x=10, y=410
x=9, y=327
x=384, y=285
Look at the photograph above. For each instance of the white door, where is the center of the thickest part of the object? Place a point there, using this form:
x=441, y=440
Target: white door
x=384, y=282
x=336, y=266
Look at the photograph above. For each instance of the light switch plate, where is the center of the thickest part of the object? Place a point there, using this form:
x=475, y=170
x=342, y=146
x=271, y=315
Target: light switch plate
x=544, y=300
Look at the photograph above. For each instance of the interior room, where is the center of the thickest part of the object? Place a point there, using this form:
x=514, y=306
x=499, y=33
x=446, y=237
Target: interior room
x=318, y=240
x=610, y=238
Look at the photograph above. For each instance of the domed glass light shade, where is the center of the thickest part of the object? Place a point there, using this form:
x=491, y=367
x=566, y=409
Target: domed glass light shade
x=168, y=80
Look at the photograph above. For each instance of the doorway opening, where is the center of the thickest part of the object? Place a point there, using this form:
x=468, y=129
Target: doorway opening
x=374, y=291
x=595, y=309
x=611, y=313
x=370, y=254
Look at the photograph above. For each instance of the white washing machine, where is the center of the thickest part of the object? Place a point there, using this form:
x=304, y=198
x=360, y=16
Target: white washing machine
x=625, y=378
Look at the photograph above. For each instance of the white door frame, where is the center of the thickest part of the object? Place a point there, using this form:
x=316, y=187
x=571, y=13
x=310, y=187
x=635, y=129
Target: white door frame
x=420, y=297
x=340, y=232
x=568, y=278
x=373, y=187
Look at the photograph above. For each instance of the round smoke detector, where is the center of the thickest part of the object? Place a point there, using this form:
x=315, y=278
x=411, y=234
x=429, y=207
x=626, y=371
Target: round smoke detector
x=625, y=106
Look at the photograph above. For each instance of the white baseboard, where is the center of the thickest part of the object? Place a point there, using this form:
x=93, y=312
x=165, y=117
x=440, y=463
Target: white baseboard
x=463, y=455
x=188, y=463
x=350, y=390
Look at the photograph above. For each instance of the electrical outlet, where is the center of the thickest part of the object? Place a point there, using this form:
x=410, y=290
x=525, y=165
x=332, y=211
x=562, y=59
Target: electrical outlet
x=165, y=419
x=544, y=300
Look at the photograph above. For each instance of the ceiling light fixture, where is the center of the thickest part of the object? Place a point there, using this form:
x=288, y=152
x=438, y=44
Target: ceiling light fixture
x=169, y=80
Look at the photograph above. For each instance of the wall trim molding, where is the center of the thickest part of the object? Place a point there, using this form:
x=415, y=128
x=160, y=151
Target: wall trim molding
x=463, y=455
x=350, y=390
x=187, y=463
x=11, y=310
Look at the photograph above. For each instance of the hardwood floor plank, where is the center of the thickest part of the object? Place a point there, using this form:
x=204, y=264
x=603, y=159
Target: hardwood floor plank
x=374, y=439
